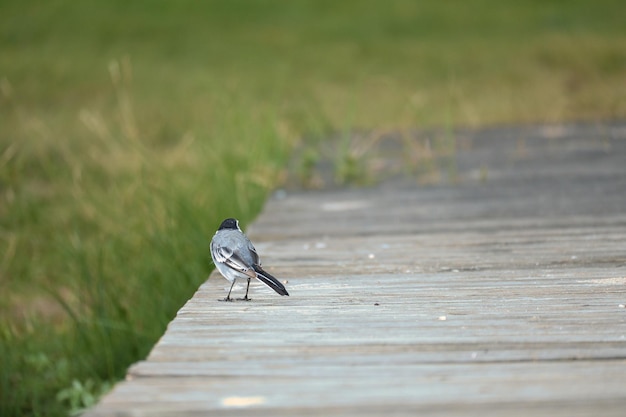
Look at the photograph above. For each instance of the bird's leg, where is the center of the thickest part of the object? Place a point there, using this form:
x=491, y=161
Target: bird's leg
x=245, y=297
x=228, y=296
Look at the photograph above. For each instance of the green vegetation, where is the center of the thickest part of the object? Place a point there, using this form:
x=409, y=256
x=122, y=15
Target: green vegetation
x=128, y=130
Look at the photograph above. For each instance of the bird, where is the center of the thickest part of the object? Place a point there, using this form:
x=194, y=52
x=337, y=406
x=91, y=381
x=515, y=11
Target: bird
x=236, y=258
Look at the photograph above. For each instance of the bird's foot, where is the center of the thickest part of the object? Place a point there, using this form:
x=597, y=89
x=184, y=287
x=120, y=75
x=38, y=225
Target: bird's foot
x=244, y=299
x=225, y=299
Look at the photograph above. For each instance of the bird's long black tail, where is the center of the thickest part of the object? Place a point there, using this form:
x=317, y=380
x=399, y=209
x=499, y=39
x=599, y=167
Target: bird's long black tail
x=270, y=281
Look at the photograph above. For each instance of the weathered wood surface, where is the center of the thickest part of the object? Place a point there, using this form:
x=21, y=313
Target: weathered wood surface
x=496, y=297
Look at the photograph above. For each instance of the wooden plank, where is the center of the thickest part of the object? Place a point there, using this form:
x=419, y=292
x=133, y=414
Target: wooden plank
x=504, y=298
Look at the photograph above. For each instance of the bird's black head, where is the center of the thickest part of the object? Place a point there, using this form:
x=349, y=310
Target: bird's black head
x=229, y=224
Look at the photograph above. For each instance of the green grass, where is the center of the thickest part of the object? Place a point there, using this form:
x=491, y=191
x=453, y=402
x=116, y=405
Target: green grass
x=125, y=127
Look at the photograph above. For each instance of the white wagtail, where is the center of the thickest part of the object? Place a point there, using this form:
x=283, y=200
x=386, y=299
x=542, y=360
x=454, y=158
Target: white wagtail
x=236, y=258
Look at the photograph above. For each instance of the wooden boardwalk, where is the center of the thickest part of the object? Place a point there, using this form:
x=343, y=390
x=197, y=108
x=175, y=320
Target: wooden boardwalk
x=486, y=298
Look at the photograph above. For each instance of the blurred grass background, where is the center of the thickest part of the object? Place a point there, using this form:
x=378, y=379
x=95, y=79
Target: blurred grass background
x=129, y=130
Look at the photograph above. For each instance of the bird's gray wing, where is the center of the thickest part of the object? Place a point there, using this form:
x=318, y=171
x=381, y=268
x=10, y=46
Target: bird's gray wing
x=255, y=256
x=232, y=260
